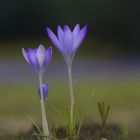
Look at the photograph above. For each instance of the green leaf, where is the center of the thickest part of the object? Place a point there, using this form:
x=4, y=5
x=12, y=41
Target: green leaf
x=68, y=120
x=100, y=110
x=35, y=124
x=107, y=112
x=55, y=110
x=103, y=109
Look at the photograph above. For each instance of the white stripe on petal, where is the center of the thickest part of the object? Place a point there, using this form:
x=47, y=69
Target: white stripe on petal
x=41, y=55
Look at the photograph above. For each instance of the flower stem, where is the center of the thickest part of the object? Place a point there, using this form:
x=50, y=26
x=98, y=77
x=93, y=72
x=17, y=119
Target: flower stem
x=43, y=113
x=71, y=93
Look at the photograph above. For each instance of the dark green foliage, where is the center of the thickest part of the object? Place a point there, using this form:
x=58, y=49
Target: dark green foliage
x=104, y=111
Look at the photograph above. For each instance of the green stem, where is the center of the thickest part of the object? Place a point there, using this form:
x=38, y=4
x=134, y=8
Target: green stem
x=71, y=93
x=44, y=120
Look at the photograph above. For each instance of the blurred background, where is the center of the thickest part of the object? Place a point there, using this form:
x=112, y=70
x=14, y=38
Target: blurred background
x=107, y=63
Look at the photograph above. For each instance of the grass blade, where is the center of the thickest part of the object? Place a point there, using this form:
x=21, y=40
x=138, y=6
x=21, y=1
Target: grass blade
x=35, y=124
x=84, y=113
x=100, y=110
x=107, y=111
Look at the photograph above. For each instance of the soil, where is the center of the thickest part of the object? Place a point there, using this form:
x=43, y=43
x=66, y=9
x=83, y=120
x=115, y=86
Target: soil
x=94, y=132
x=88, y=132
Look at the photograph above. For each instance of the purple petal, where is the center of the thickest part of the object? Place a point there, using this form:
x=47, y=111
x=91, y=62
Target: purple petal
x=66, y=29
x=67, y=39
x=76, y=30
x=53, y=38
x=60, y=34
x=79, y=38
x=25, y=54
x=44, y=89
x=48, y=55
x=41, y=55
x=32, y=58
x=67, y=43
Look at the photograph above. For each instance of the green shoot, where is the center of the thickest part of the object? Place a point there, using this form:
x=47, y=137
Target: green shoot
x=35, y=124
x=70, y=122
x=104, y=111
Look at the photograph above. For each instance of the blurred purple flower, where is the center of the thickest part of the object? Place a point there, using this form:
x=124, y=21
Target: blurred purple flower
x=38, y=58
x=44, y=89
x=67, y=41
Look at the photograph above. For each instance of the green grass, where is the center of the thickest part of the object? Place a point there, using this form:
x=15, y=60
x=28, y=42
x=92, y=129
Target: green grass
x=17, y=101
x=22, y=99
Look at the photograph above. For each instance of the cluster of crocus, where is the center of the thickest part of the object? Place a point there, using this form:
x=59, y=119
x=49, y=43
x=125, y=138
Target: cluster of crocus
x=67, y=42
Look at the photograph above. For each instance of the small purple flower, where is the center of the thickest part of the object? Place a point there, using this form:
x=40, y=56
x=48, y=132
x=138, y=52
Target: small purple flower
x=44, y=90
x=67, y=41
x=38, y=58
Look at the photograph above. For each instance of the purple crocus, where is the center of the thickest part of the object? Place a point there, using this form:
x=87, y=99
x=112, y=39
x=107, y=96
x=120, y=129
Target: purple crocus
x=44, y=89
x=67, y=41
x=38, y=58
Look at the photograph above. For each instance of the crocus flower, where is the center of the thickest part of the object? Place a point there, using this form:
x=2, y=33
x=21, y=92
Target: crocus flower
x=44, y=89
x=38, y=58
x=67, y=41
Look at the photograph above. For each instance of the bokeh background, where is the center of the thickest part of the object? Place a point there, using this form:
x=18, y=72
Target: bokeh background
x=107, y=63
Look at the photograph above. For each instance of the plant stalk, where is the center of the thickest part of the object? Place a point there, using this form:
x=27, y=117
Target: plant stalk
x=43, y=113
x=71, y=93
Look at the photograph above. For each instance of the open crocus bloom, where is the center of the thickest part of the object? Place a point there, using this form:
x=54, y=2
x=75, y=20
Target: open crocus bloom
x=67, y=41
x=38, y=58
x=44, y=90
